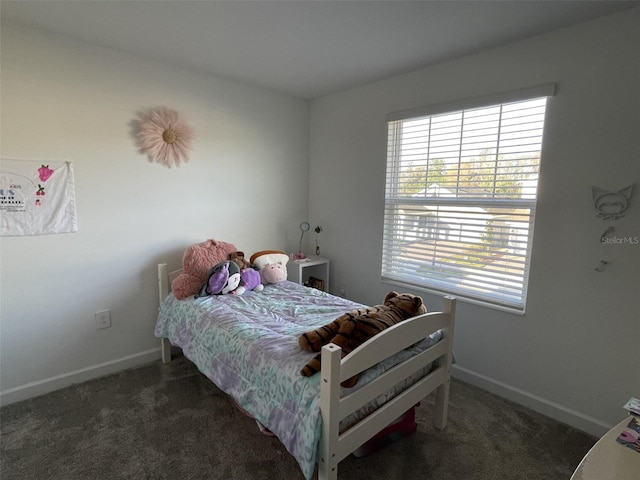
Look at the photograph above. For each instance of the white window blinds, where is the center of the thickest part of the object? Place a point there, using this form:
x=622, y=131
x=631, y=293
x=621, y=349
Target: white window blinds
x=461, y=194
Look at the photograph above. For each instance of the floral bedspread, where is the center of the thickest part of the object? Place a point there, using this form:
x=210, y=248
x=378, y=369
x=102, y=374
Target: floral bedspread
x=248, y=346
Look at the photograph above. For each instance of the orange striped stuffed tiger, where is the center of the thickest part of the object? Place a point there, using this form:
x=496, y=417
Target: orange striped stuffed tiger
x=352, y=329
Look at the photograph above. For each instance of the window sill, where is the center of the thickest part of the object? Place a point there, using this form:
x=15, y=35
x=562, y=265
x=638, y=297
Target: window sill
x=461, y=297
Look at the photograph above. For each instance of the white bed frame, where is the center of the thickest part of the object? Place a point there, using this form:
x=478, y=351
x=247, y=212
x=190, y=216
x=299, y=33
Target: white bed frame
x=335, y=446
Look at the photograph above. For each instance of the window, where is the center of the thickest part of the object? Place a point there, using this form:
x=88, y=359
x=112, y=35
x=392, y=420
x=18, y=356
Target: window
x=461, y=195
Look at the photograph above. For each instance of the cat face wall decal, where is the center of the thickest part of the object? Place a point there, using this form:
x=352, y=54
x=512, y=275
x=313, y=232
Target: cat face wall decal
x=611, y=205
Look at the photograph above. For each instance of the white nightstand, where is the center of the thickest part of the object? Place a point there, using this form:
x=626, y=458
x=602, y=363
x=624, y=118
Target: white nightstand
x=312, y=272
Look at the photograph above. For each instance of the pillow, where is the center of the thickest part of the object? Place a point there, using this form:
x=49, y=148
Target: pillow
x=266, y=257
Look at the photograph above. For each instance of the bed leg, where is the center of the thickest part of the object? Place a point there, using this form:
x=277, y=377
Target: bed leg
x=329, y=409
x=442, y=393
x=165, y=347
x=324, y=474
x=442, y=405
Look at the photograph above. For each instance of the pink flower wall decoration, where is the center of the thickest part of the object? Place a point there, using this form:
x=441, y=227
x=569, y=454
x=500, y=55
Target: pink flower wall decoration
x=165, y=137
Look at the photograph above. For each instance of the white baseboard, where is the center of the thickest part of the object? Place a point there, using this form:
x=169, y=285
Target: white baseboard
x=34, y=389
x=541, y=405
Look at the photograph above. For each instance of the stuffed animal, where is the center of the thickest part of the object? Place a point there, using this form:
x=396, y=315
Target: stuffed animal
x=352, y=329
x=238, y=258
x=250, y=280
x=197, y=261
x=224, y=278
x=273, y=273
x=271, y=264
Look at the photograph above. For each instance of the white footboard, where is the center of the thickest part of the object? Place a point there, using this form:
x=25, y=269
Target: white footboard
x=334, y=446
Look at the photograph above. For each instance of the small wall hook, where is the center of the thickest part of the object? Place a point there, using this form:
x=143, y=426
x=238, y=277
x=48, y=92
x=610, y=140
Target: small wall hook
x=605, y=233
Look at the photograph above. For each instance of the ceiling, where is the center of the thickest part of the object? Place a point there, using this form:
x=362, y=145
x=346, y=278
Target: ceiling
x=304, y=48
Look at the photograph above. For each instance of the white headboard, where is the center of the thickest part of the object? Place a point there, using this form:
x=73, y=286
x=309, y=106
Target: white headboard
x=165, y=277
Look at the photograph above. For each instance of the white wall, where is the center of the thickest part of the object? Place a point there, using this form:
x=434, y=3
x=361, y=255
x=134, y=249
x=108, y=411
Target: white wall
x=575, y=354
x=64, y=100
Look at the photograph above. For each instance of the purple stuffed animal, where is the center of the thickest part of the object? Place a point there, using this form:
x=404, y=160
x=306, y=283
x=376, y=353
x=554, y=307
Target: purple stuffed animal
x=251, y=280
x=222, y=279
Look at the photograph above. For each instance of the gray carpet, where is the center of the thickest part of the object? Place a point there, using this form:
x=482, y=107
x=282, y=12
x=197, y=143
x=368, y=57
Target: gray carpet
x=170, y=422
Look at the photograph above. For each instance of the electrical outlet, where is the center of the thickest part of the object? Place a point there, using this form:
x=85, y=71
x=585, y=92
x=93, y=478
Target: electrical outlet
x=343, y=289
x=103, y=319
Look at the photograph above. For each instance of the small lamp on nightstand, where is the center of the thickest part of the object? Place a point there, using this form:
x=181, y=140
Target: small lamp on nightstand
x=304, y=227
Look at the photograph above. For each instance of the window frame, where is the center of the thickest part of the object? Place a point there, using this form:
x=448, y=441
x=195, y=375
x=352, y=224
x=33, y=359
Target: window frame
x=392, y=183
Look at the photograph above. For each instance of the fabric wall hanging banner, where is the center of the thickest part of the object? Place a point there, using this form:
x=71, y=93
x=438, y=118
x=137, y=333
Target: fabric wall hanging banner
x=164, y=136
x=37, y=198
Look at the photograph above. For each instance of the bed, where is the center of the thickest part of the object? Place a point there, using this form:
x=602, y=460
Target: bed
x=247, y=345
